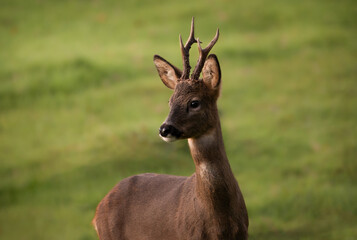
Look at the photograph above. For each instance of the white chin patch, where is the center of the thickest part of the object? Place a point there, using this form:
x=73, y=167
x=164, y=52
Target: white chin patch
x=169, y=138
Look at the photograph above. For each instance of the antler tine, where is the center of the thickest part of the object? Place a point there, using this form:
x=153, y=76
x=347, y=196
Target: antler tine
x=185, y=51
x=191, y=39
x=203, y=53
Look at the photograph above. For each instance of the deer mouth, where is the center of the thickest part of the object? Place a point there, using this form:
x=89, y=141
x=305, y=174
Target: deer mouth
x=169, y=138
x=169, y=133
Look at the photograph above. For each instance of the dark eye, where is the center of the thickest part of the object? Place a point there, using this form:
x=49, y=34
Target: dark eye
x=195, y=104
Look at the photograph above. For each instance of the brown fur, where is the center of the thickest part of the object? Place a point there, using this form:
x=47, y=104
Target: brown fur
x=206, y=205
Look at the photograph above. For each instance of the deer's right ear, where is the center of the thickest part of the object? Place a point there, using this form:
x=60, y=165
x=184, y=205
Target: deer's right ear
x=169, y=74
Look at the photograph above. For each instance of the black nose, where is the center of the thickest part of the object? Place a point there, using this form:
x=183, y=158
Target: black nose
x=166, y=129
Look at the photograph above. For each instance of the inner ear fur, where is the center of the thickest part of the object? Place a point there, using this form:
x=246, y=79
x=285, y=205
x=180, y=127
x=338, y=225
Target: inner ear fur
x=168, y=73
x=211, y=72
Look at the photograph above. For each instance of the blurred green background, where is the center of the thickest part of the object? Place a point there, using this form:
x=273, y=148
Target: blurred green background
x=81, y=103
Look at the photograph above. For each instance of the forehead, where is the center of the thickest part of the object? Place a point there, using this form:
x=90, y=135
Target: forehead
x=190, y=87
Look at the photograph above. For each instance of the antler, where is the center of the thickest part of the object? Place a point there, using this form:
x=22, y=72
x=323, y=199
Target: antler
x=203, y=55
x=185, y=50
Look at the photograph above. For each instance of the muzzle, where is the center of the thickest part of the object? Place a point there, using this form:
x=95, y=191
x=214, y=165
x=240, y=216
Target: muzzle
x=169, y=133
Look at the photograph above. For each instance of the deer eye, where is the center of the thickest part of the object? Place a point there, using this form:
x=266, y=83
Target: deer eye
x=194, y=104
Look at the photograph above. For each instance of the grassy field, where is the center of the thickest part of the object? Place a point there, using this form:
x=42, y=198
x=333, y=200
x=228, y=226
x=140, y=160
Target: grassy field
x=81, y=103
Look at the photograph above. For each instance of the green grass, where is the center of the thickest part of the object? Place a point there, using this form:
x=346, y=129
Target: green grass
x=81, y=102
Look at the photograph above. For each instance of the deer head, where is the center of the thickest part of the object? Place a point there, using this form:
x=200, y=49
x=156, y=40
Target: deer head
x=193, y=108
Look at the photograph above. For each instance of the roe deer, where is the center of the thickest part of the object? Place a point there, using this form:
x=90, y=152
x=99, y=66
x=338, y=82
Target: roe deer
x=206, y=205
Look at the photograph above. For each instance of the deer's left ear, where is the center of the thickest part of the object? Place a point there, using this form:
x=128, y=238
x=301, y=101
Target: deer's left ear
x=212, y=72
x=169, y=74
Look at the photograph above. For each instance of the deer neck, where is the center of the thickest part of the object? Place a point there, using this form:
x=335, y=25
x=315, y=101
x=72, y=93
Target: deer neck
x=215, y=185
